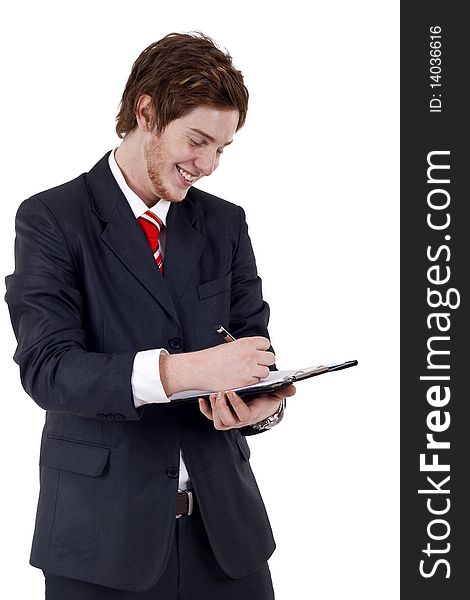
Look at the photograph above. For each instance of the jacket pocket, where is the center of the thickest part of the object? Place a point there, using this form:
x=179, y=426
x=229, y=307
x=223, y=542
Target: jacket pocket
x=214, y=287
x=74, y=456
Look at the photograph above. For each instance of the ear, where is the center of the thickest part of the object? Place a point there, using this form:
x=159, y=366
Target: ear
x=144, y=113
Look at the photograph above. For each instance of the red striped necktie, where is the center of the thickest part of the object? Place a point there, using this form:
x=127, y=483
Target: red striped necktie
x=151, y=226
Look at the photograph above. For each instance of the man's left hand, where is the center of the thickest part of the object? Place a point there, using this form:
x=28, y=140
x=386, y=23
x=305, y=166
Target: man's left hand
x=228, y=411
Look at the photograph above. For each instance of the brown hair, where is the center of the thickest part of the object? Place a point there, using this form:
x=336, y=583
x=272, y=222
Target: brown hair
x=179, y=72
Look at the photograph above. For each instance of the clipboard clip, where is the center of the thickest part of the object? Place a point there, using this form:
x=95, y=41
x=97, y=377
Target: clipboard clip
x=304, y=373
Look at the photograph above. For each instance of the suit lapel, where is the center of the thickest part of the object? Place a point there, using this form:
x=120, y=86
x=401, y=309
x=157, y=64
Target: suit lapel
x=123, y=236
x=184, y=245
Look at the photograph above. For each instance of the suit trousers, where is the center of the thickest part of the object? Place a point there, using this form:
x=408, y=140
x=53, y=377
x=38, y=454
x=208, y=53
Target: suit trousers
x=192, y=573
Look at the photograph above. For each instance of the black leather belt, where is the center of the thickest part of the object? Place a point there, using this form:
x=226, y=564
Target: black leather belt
x=184, y=503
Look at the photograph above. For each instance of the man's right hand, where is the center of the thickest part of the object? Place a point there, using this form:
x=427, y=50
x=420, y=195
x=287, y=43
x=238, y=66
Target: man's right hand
x=224, y=367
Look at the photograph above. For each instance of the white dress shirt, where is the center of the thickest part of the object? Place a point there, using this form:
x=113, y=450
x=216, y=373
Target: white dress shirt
x=146, y=384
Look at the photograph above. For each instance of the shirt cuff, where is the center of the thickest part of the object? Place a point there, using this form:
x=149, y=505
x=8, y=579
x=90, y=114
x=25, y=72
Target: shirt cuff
x=146, y=384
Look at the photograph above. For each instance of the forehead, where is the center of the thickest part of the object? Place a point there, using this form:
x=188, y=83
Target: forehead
x=216, y=124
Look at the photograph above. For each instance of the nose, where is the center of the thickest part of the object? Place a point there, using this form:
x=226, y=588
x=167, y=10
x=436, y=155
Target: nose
x=207, y=161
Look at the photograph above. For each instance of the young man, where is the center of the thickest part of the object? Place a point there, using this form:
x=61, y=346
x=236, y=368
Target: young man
x=122, y=276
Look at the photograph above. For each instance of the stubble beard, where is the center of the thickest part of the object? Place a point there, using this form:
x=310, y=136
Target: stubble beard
x=155, y=165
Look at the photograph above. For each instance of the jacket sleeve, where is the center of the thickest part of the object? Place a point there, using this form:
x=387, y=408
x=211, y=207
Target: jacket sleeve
x=46, y=309
x=249, y=313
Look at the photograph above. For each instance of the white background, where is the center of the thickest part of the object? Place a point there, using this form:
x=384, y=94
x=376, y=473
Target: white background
x=316, y=169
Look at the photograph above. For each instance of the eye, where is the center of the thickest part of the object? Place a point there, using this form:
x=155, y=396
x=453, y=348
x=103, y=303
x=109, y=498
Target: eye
x=220, y=150
x=196, y=143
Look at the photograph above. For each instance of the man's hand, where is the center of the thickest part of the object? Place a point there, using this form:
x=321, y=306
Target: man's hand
x=228, y=411
x=240, y=363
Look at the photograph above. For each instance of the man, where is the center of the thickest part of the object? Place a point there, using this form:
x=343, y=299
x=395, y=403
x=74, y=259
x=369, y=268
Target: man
x=122, y=276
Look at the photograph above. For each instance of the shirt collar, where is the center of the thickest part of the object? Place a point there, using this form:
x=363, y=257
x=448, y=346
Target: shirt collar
x=137, y=205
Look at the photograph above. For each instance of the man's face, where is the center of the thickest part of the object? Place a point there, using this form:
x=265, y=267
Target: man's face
x=188, y=148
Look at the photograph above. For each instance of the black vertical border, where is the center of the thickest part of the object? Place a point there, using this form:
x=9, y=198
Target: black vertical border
x=422, y=132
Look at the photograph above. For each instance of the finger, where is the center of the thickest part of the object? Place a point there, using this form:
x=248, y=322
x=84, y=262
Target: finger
x=218, y=423
x=204, y=407
x=288, y=391
x=215, y=417
x=242, y=410
x=261, y=343
x=285, y=392
x=260, y=372
x=223, y=412
x=277, y=395
x=266, y=358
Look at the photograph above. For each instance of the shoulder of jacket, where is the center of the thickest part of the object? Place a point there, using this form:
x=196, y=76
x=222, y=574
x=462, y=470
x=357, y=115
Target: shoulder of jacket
x=64, y=199
x=66, y=192
x=211, y=202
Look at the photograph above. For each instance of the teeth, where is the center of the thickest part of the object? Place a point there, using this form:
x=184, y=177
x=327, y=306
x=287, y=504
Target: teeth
x=186, y=175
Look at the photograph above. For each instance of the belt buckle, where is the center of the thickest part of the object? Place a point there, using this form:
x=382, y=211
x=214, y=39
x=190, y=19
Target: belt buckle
x=190, y=504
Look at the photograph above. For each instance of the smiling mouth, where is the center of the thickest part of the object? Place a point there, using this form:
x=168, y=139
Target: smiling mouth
x=185, y=175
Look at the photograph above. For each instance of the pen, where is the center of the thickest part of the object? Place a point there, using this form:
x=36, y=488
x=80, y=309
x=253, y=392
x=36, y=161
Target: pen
x=228, y=337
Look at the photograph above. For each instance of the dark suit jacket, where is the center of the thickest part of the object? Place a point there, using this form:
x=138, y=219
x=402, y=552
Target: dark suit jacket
x=84, y=298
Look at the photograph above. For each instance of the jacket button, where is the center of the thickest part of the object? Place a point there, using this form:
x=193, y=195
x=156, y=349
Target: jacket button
x=175, y=343
x=172, y=472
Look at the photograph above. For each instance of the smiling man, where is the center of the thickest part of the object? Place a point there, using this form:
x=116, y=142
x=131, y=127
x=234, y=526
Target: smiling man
x=122, y=276
x=189, y=148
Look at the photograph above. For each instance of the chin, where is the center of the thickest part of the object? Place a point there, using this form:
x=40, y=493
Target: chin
x=176, y=196
x=172, y=194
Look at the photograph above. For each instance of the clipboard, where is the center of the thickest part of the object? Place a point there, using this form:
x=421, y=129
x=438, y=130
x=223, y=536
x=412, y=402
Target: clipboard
x=276, y=380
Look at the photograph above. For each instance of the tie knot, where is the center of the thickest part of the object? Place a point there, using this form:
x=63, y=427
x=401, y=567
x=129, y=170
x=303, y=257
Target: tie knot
x=150, y=217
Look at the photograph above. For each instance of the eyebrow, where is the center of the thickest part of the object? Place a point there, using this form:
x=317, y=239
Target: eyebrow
x=207, y=136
